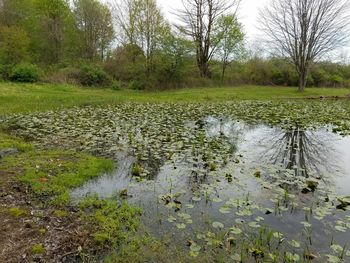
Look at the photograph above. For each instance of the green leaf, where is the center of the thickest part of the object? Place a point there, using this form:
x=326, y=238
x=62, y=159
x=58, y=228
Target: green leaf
x=218, y=225
x=340, y=228
x=235, y=230
x=171, y=219
x=181, y=226
x=294, y=243
x=333, y=259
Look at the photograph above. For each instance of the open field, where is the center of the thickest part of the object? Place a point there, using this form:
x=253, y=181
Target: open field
x=16, y=98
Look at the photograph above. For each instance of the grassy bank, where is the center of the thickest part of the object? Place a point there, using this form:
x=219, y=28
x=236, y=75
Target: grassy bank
x=15, y=98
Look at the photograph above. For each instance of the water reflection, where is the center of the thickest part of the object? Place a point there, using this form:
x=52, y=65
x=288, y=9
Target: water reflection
x=188, y=178
x=307, y=153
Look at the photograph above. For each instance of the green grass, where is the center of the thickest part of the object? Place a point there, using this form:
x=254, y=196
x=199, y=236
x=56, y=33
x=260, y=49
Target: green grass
x=17, y=98
x=7, y=141
x=53, y=173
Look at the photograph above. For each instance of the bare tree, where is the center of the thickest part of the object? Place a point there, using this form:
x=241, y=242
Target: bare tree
x=124, y=15
x=198, y=18
x=305, y=30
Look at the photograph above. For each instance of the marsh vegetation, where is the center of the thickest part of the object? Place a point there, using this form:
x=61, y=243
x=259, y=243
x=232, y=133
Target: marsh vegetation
x=243, y=181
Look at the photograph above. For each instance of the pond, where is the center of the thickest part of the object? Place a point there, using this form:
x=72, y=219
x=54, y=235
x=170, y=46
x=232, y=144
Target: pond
x=207, y=176
x=265, y=184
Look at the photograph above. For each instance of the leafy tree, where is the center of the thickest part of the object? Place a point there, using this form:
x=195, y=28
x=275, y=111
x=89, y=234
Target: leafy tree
x=14, y=44
x=15, y=12
x=230, y=41
x=127, y=63
x=172, y=60
x=94, y=20
x=53, y=22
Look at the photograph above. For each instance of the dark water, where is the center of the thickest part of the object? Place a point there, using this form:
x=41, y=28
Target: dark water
x=266, y=161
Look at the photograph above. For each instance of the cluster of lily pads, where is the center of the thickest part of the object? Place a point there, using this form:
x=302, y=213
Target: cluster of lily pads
x=247, y=221
x=200, y=138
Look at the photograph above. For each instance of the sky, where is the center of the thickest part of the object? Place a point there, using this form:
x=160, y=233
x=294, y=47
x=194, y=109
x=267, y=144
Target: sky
x=248, y=13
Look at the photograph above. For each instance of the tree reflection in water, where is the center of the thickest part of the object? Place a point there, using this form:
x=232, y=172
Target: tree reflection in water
x=307, y=153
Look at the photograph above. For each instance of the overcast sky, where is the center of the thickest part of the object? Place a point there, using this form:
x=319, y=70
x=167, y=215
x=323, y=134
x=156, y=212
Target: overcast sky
x=248, y=13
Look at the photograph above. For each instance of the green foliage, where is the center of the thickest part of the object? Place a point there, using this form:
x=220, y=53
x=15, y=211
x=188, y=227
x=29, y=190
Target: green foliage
x=229, y=39
x=14, y=45
x=127, y=63
x=94, y=20
x=51, y=37
x=3, y=72
x=25, y=72
x=136, y=85
x=114, y=223
x=116, y=85
x=93, y=76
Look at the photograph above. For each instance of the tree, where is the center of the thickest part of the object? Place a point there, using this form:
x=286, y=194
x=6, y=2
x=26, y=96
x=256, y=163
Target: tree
x=94, y=20
x=305, y=30
x=15, y=12
x=198, y=19
x=173, y=60
x=142, y=23
x=230, y=40
x=14, y=44
x=127, y=63
x=53, y=19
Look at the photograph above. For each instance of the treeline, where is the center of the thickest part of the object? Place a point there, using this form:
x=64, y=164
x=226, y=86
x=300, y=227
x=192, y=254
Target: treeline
x=129, y=43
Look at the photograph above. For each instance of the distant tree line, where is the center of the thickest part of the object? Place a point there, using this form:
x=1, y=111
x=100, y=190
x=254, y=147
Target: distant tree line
x=129, y=43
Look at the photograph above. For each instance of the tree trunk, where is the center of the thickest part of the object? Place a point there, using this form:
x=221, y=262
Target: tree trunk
x=204, y=69
x=224, y=65
x=302, y=79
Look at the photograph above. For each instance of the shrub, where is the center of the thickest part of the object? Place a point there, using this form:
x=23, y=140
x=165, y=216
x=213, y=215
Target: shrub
x=136, y=85
x=336, y=79
x=67, y=75
x=25, y=72
x=91, y=76
x=2, y=72
x=116, y=85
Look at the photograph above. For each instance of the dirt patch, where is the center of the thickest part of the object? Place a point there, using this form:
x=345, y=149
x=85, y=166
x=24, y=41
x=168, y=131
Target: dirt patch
x=31, y=232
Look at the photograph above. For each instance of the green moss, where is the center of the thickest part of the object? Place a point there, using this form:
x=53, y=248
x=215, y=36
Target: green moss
x=42, y=231
x=38, y=249
x=114, y=223
x=17, y=212
x=60, y=213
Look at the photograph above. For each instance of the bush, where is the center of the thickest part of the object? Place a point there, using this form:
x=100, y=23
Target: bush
x=137, y=85
x=91, y=76
x=66, y=75
x=25, y=72
x=116, y=85
x=2, y=72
